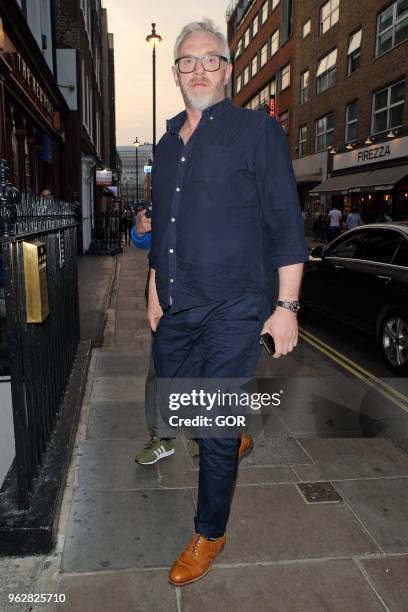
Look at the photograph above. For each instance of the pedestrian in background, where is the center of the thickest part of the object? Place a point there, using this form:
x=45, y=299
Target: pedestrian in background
x=353, y=219
x=335, y=219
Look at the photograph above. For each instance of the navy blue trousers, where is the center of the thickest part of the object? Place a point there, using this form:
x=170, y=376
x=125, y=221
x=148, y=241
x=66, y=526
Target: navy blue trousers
x=218, y=340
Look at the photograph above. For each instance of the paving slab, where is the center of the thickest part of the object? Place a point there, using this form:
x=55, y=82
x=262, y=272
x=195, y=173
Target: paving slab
x=178, y=470
x=118, y=388
x=389, y=575
x=117, y=420
x=108, y=365
x=276, y=451
x=138, y=591
x=381, y=505
x=338, y=458
x=109, y=464
x=274, y=523
x=264, y=475
x=125, y=529
x=326, y=586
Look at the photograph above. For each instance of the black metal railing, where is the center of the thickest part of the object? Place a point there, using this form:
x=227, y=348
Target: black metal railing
x=106, y=232
x=40, y=354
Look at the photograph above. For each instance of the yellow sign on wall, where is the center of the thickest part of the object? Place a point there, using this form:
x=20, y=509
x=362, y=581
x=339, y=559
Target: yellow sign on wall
x=36, y=285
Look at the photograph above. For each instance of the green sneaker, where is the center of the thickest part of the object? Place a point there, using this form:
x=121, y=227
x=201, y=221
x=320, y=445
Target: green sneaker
x=154, y=450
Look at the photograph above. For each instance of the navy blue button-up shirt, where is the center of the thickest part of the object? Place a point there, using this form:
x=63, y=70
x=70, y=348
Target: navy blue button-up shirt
x=225, y=213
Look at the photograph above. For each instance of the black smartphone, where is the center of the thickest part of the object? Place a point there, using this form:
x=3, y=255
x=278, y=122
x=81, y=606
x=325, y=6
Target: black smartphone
x=268, y=342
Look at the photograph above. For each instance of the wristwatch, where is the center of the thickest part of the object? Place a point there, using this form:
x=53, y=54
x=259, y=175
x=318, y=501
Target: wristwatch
x=293, y=306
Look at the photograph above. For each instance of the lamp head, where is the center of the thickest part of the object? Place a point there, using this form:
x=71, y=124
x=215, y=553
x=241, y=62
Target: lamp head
x=154, y=38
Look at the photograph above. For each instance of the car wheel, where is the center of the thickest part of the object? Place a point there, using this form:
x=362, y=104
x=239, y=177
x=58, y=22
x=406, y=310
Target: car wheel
x=394, y=342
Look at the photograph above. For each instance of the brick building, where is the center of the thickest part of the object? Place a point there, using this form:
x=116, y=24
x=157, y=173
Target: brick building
x=261, y=43
x=82, y=42
x=346, y=99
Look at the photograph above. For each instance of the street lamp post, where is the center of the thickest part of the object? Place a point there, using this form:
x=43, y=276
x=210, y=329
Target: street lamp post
x=154, y=39
x=136, y=144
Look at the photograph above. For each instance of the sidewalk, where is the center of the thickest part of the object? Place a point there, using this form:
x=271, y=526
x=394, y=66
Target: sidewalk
x=122, y=525
x=126, y=523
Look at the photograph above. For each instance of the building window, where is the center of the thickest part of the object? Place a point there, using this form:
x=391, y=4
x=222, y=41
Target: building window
x=264, y=54
x=238, y=85
x=264, y=12
x=246, y=75
x=254, y=65
x=264, y=95
x=388, y=108
x=324, y=132
x=240, y=46
x=284, y=121
x=354, y=52
x=304, y=86
x=275, y=4
x=306, y=28
x=284, y=80
x=326, y=72
x=329, y=15
x=272, y=86
x=255, y=25
x=246, y=38
x=302, y=142
x=351, y=122
x=275, y=42
x=392, y=26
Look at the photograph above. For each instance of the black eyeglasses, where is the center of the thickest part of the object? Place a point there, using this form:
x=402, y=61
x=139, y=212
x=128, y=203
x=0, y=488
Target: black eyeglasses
x=210, y=63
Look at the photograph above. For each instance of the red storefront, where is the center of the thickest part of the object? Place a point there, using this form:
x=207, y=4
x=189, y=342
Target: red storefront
x=32, y=109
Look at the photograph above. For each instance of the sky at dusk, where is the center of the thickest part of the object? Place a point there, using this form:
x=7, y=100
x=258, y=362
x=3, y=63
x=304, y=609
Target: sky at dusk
x=130, y=22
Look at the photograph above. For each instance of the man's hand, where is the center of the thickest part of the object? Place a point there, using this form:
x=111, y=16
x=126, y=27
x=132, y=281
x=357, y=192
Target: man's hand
x=143, y=224
x=154, y=310
x=282, y=325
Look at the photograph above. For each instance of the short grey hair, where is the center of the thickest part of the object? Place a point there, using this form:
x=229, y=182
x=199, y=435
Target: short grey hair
x=206, y=25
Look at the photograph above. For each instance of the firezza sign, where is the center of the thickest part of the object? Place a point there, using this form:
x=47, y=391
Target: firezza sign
x=375, y=153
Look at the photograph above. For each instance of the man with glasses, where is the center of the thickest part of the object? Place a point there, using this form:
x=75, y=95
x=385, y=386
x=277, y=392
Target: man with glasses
x=226, y=216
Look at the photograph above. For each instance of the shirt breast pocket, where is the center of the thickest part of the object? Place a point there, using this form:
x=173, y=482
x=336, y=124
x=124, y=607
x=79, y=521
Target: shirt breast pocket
x=213, y=163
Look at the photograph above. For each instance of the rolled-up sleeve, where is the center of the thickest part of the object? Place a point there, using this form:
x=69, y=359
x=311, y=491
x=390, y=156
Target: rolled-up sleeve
x=277, y=191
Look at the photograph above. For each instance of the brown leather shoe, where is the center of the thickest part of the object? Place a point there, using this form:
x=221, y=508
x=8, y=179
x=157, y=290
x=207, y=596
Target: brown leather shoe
x=195, y=560
x=245, y=447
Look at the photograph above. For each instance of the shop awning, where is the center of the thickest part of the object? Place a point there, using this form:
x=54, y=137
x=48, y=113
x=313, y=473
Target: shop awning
x=382, y=179
x=308, y=178
x=339, y=183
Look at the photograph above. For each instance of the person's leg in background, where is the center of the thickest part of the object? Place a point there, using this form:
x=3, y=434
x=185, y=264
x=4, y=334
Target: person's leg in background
x=161, y=442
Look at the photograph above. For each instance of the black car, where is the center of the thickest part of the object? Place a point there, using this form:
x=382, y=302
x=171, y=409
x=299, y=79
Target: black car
x=361, y=278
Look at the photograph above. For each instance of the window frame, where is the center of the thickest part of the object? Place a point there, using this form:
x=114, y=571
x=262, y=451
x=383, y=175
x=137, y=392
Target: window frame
x=307, y=22
x=332, y=10
x=387, y=108
x=302, y=141
x=351, y=57
x=325, y=132
x=274, y=33
x=392, y=28
x=304, y=90
x=281, y=72
x=328, y=75
x=263, y=48
x=264, y=13
x=349, y=122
